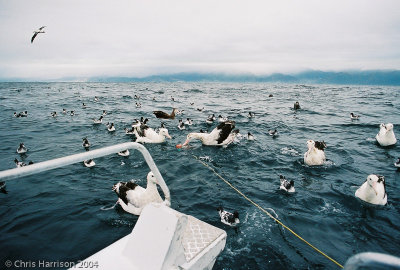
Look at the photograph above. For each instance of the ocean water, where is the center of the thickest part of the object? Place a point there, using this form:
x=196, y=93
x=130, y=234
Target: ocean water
x=58, y=216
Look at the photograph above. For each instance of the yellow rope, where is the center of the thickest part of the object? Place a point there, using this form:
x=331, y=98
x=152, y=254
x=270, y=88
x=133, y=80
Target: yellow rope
x=266, y=212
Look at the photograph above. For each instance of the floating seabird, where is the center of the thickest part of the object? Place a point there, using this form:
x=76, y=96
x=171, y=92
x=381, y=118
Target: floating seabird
x=373, y=190
x=353, y=116
x=223, y=134
x=19, y=163
x=222, y=119
x=315, y=154
x=89, y=163
x=188, y=122
x=210, y=119
x=111, y=127
x=286, y=185
x=181, y=125
x=386, y=136
x=35, y=33
x=98, y=121
x=251, y=115
x=250, y=136
x=163, y=115
x=296, y=105
x=86, y=143
x=397, y=163
x=124, y=153
x=3, y=187
x=273, y=133
x=230, y=219
x=22, y=149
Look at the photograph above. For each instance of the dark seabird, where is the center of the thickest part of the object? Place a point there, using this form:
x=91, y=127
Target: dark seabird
x=35, y=33
x=354, y=116
x=397, y=163
x=163, y=115
x=286, y=185
x=3, y=187
x=230, y=219
x=296, y=105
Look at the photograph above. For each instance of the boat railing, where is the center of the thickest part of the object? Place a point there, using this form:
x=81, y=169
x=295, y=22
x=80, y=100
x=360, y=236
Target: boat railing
x=372, y=260
x=68, y=160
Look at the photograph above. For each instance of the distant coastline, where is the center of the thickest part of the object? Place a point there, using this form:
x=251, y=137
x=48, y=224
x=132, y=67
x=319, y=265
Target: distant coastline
x=373, y=77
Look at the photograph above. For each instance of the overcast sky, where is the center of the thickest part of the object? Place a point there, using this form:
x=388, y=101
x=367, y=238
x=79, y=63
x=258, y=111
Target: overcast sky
x=139, y=38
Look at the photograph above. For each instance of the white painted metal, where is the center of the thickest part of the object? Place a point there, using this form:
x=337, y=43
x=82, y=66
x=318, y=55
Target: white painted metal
x=372, y=260
x=68, y=160
x=163, y=239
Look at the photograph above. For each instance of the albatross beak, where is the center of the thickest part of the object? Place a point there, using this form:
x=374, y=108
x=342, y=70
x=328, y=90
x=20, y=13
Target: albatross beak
x=374, y=188
x=168, y=136
x=185, y=143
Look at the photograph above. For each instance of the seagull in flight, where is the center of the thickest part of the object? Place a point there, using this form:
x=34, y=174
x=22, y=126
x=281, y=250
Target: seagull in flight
x=35, y=33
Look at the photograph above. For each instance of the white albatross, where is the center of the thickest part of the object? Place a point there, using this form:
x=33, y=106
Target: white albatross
x=386, y=136
x=223, y=134
x=315, y=154
x=373, y=190
x=39, y=31
x=145, y=134
x=133, y=198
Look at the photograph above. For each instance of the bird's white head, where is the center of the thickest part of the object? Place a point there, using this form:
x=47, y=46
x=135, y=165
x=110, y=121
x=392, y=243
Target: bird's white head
x=310, y=144
x=151, y=178
x=164, y=132
x=389, y=126
x=374, y=180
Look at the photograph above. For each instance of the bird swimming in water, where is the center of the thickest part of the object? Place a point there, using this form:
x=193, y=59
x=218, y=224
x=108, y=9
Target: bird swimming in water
x=89, y=163
x=386, y=136
x=111, y=127
x=250, y=137
x=230, y=219
x=35, y=33
x=354, y=117
x=3, y=187
x=222, y=119
x=210, y=119
x=223, y=134
x=64, y=111
x=273, y=133
x=54, y=114
x=19, y=163
x=315, y=154
x=86, y=143
x=22, y=149
x=98, y=121
x=251, y=115
x=286, y=185
x=163, y=115
x=188, y=122
x=296, y=106
x=181, y=125
x=72, y=113
x=124, y=153
x=373, y=190
x=397, y=163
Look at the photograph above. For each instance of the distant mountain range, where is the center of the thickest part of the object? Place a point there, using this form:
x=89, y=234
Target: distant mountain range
x=312, y=77
x=372, y=77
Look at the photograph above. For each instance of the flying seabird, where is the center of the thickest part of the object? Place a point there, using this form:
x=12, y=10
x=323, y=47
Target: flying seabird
x=35, y=33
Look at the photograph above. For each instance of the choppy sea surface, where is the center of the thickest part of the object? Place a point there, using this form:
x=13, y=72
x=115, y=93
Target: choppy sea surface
x=58, y=216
